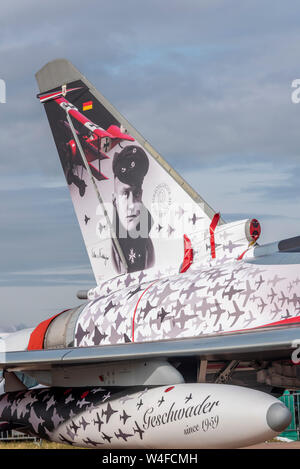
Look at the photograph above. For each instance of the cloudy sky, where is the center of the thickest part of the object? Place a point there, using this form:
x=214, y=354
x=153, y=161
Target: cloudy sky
x=207, y=82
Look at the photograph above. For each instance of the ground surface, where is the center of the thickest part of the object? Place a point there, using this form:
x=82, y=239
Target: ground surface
x=47, y=445
x=276, y=445
x=34, y=445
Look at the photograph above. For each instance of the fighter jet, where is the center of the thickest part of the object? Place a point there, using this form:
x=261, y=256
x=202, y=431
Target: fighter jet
x=146, y=361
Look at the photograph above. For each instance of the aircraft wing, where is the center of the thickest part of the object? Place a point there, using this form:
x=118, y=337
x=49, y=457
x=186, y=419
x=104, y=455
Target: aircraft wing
x=271, y=343
x=156, y=320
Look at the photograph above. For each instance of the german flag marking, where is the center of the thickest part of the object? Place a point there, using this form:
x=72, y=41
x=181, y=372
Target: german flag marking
x=87, y=106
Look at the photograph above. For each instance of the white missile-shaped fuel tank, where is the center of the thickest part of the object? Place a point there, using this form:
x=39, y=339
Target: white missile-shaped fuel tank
x=183, y=416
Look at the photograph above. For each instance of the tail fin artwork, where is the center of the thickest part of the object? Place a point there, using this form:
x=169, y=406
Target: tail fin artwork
x=135, y=212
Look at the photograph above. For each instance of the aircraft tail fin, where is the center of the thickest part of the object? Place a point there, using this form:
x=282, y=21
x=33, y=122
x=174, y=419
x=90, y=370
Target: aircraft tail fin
x=133, y=208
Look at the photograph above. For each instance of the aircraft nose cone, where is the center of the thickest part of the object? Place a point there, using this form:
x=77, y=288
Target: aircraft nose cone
x=278, y=417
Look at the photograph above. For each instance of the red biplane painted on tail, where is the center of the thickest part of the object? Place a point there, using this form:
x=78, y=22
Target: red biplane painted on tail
x=91, y=138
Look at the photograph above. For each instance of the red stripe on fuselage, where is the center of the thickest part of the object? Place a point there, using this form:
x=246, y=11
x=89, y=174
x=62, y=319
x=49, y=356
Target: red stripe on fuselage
x=212, y=228
x=135, y=309
x=36, y=341
x=283, y=322
x=295, y=320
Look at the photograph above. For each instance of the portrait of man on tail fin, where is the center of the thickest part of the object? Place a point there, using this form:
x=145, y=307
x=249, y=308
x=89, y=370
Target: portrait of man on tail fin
x=131, y=219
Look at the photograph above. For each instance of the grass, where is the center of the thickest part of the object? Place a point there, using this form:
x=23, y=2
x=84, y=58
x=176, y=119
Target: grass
x=40, y=444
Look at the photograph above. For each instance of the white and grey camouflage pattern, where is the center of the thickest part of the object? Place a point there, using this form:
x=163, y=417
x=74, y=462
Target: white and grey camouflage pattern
x=226, y=296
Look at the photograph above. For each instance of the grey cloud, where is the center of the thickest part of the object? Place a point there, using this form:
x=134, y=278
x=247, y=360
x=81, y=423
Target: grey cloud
x=205, y=77
x=39, y=230
x=285, y=192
